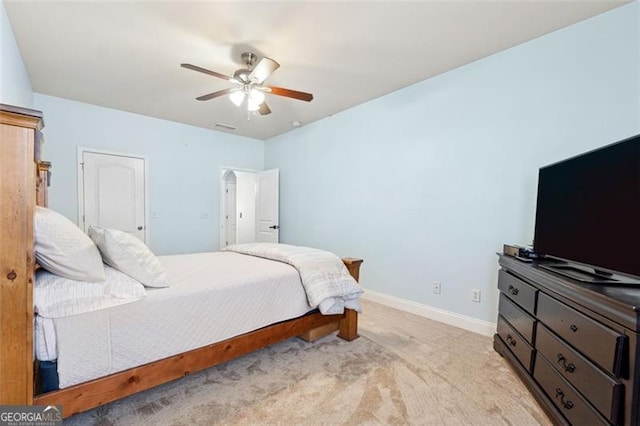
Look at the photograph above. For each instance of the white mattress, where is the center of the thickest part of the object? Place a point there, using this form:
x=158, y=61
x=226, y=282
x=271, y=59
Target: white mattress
x=212, y=297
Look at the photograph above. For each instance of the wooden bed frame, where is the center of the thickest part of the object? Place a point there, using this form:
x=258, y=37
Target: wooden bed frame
x=22, y=175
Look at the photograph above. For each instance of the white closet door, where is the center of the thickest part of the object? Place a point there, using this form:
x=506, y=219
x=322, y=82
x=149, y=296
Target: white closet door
x=114, y=192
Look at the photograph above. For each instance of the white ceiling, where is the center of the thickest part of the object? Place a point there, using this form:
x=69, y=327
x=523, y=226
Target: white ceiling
x=126, y=55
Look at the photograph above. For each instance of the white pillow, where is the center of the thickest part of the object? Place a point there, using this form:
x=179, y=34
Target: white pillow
x=56, y=296
x=128, y=254
x=62, y=248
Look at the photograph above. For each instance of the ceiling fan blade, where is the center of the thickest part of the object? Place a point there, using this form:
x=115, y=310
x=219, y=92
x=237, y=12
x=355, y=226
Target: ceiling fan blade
x=214, y=95
x=281, y=91
x=263, y=70
x=264, y=109
x=206, y=71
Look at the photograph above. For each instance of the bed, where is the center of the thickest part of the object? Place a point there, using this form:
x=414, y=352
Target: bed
x=214, y=340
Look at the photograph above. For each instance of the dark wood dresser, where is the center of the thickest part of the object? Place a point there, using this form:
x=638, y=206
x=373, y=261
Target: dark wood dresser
x=573, y=344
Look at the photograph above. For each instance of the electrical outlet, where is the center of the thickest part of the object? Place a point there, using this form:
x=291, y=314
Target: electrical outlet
x=475, y=295
x=436, y=287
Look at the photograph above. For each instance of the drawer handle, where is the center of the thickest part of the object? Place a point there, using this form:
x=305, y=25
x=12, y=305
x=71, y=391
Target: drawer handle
x=573, y=328
x=566, y=404
x=569, y=368
x=513, y=290
x=511, y=340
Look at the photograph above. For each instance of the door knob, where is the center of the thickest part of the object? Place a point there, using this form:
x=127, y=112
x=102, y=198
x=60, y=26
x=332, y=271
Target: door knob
x=274, y=227
x=140, y=228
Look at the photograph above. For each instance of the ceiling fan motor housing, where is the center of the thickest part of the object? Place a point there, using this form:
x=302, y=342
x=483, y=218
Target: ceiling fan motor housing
x=249, y=58
x=242, y=75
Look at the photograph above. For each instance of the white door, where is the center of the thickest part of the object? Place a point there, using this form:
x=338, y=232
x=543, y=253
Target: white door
x=113, y=192
x=267, y=212
x=230, y=203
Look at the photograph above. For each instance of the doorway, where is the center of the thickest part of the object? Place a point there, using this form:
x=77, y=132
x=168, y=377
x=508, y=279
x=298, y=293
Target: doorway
x=112, y=191
x=237, y=206
x=254, y=215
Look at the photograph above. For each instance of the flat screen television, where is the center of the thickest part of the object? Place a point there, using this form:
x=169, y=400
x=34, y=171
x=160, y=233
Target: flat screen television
x=588, y=215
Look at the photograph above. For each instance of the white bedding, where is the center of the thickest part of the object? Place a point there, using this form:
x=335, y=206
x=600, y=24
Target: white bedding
x=212, y=297
x=326, y=280
x=55, y=296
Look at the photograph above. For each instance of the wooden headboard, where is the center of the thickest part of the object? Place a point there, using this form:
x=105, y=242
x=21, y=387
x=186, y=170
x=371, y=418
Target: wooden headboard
x=19, y=155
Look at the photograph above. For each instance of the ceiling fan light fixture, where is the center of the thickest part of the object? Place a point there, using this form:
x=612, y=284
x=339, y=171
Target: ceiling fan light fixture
x=252, y=106
x=256, y=96
x=237, y=97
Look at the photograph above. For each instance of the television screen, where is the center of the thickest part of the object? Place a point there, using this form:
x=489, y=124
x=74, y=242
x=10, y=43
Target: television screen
x=588, y=209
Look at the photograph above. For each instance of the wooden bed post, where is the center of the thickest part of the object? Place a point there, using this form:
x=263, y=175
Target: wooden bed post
x=43, y=182
x=348, y=325
x=353, y=266
x=19, y=152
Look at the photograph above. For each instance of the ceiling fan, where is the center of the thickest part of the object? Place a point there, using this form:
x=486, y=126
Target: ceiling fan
x=250, y=87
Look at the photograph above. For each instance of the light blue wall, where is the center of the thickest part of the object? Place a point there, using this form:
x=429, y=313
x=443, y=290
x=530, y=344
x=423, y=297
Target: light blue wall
x=427, y=183
x=183, y=166
x=15, y=86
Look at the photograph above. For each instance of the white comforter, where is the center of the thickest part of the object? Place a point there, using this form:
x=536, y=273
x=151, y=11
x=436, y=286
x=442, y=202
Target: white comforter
x=212, y=297
x=328, y=284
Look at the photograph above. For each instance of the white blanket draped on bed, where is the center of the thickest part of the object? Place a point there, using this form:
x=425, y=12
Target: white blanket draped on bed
x=328, y=284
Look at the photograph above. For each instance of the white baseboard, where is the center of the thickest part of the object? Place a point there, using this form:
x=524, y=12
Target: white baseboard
x=462, y=321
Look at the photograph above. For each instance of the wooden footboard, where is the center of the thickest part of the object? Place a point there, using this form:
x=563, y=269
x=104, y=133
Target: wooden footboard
x=348, y=325
x=94, y=393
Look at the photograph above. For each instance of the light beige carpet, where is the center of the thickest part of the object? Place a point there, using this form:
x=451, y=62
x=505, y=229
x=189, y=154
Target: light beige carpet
x=403, y=370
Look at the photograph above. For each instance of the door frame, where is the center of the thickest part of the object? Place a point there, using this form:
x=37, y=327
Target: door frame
x=80, y=180
x=222, y=201
x=228, y=235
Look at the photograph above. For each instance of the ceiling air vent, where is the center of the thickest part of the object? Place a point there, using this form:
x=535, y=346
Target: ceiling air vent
x=225, y=126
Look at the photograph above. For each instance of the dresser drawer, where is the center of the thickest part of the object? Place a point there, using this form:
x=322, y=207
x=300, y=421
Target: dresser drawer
x=599, y=388
x=597, y=342
x=517, y=317
x=573, y=406
x=518, y=291
x=516, y=343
